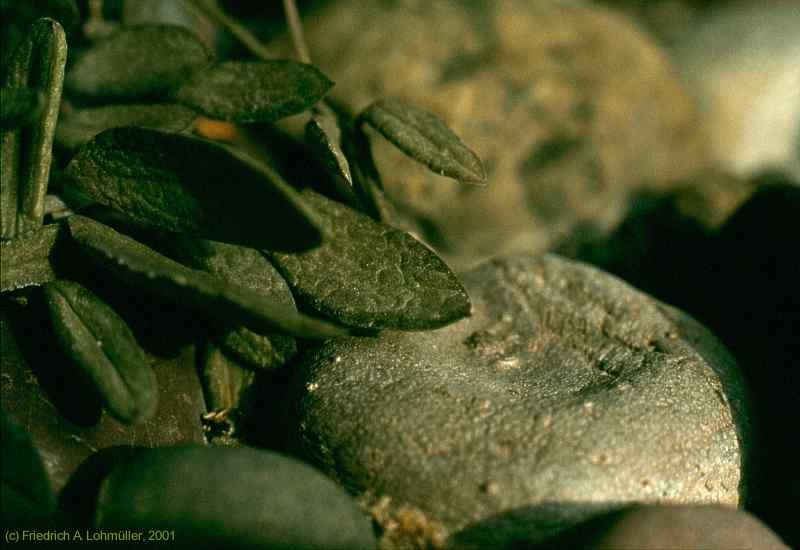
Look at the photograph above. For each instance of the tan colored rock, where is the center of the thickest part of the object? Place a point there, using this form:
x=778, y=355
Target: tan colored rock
x=571, y=108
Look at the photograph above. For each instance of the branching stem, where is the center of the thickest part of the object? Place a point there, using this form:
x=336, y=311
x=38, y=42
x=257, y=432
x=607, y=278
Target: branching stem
x=211, y=9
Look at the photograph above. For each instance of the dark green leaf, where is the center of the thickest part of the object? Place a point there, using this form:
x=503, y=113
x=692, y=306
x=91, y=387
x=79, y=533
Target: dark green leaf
x=149, y=271
x=425, y=138
x=30, y=259
x=193, y=186
x=324, y=136
x=19, y=107
x=224, y=381
x=28, y=498
x=104, y=348
x=254, y=91
x=255, y=350
x=138, y=62
x=366, y=179
x=249, y=268
x=81, y=126
x=370, y=275
x=26, y=153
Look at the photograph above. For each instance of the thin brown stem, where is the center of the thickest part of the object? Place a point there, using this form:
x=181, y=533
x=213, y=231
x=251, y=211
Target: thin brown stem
x=296, y=30
x=211, y=9
x=96, y=9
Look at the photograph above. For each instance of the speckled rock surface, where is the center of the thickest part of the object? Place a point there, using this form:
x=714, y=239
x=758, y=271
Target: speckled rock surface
x=566, y=389
x=570, y=106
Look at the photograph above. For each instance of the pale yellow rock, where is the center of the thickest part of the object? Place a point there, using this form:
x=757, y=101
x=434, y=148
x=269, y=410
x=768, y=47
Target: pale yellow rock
x=571, y=107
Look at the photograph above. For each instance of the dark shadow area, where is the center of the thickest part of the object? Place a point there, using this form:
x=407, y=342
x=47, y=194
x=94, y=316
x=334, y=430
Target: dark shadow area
x=743, y=282
x=78, y=498
x=63, y=383
x=268, y=422
x=160, y=325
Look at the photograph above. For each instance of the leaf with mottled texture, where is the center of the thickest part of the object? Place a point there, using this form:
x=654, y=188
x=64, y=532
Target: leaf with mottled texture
x=30, y=259
x=104, y=348
x=82, y=125
x=189, y=185
x=425, y=138
x=370, y=275
x=249, y=268
x=28, y=498
x=147, y=270
x=254, y=91
x=26, y=153
x=138, y=62
x=19, y=107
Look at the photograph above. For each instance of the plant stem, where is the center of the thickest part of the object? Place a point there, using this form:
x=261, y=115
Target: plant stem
x=96, y=9
x=211, y=9
x=296, y=29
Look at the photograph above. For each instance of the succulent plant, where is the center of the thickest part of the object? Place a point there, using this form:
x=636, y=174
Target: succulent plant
x=149, y=172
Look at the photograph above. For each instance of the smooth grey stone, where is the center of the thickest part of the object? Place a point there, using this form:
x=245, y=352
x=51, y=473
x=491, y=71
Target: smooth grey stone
x=659, y=527
x=566, y=389
x=629, y=528
x=231, y=498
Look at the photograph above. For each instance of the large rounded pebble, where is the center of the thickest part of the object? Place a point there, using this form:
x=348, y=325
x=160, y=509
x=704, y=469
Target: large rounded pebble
x=566, y=390
x=226, y=497
x=707, y=527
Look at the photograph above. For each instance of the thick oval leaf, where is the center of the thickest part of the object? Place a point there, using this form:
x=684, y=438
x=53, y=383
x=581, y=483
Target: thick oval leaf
x=28, y=499
x=193, y=186
x=30, y=259
x=104, y=348
x=367, y=274
x=56, y=407
x=138, y=62
x=148, y=270
x=425, y=138
x=241, y=498
x=247, y=267
x=26, y=153
x=82, y=125
x=254, y=91
x=19, y=107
